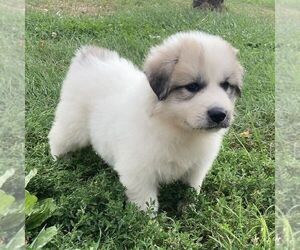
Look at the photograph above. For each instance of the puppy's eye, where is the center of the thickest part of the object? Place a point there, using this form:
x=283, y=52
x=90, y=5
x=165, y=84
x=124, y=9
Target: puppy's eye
x=225, y=85
x=233, y=89
x=194, y=87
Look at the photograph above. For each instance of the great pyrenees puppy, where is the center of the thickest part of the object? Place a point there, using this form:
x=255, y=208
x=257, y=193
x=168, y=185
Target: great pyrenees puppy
x=154, y=126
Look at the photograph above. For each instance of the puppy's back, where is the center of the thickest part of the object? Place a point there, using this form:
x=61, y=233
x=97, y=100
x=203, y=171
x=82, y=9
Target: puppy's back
x=88, y=52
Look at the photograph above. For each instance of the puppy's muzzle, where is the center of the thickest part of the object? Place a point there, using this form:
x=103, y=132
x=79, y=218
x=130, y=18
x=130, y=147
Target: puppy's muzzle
x=217, y=118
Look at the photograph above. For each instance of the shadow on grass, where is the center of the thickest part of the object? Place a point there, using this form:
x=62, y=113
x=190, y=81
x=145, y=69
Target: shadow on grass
x=173, y=198
x=86, y=162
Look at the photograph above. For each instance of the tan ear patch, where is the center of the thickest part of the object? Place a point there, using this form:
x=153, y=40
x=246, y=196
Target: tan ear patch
x=159, y=67
x=177, y=63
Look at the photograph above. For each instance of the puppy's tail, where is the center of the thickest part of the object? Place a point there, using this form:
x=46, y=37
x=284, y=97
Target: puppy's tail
x=89, y=53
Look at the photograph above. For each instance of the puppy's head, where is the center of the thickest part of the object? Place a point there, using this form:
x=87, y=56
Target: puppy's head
x=196, y=78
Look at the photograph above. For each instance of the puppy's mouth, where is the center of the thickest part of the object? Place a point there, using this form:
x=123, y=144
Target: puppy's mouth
x=216, y=127
x=211, y=126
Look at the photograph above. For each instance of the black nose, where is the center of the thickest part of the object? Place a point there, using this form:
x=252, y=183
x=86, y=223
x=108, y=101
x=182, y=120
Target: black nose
x=217, y=115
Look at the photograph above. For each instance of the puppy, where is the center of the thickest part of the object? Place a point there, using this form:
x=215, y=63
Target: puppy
x=156, y=126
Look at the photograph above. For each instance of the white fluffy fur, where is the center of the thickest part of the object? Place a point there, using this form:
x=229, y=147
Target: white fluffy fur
x=107, y=102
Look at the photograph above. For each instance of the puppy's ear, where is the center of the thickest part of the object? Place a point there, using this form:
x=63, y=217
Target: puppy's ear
x=158, y=68
x=159, y=82
x=240, y=72
x=240, y=76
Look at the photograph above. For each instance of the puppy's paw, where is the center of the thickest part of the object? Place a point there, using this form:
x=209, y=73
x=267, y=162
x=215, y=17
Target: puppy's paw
x=54, y=157
x=197, y=189
x=55, y=153
x=57, y=147
x=150, y=206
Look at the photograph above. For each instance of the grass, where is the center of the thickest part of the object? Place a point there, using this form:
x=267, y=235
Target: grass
x=235, y=209
x=287, y=125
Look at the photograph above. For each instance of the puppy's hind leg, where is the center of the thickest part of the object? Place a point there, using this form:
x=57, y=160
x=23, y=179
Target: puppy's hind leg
x=69, y=130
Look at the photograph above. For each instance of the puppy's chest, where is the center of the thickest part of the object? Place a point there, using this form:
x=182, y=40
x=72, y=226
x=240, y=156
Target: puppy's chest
x=173, y=166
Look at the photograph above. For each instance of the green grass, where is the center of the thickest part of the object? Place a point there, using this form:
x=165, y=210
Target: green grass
x=235, y=209
x=287, y=125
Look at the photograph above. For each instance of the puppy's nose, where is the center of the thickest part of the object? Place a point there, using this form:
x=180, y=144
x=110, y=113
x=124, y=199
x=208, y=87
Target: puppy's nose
x=217, y=115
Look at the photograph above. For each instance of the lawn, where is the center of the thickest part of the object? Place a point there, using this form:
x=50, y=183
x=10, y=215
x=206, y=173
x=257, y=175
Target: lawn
x=235, y=208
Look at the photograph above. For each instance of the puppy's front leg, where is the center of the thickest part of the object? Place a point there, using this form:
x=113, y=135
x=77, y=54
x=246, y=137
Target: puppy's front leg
x=195, y=177
x=141, y=189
